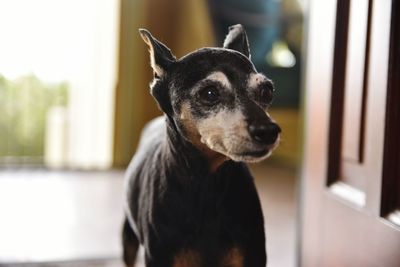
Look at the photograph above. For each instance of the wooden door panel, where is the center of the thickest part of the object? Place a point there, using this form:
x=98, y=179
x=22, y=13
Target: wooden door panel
x=356, y=67
x=351, y=174
x=376, y=101
x=366, y=241
x=352, y=168
x=390, y=205
x=317, y=98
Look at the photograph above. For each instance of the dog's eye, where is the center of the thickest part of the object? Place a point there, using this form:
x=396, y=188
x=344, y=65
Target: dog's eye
x=209, y=95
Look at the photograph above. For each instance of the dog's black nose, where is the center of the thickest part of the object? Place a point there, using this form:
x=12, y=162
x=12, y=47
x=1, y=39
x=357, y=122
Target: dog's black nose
x=264, y=133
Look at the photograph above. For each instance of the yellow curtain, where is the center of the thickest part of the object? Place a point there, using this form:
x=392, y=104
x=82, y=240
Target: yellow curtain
x=183, y=25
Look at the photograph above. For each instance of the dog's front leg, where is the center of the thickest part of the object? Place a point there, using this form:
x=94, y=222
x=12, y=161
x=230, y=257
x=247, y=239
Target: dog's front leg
x=130, y=244
x=255, y=247
x=256, y=256
x=157, y=261
x=157, y=254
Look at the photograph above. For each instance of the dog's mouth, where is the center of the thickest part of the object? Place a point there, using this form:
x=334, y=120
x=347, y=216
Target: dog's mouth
x=243, y=149
x=254, y=154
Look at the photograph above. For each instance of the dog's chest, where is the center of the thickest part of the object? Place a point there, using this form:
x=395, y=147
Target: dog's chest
x=208, y=227
x=206, y=209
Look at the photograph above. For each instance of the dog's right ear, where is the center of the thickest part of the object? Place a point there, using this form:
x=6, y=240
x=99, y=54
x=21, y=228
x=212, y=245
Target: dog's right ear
x=237, y=40
x=160, y=55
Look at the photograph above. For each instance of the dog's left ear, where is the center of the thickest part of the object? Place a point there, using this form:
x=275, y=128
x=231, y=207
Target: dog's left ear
x=160, y=55
x=237, y=40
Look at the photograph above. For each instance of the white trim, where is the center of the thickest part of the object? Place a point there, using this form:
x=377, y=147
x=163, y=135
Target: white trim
x=349, y=193
x=394, y=217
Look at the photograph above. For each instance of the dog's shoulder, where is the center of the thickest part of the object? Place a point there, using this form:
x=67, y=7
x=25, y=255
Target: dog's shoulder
x=152, y=133
x=152, y=136
x=142, y=164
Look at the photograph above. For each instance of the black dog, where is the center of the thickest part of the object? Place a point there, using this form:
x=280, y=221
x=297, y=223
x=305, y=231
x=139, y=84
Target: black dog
x=190, y=201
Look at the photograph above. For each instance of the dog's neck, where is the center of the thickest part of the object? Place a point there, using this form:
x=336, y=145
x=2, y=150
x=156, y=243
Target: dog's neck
x=192, y=154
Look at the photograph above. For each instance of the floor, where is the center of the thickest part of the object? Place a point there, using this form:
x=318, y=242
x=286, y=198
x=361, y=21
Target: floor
x=74, y=218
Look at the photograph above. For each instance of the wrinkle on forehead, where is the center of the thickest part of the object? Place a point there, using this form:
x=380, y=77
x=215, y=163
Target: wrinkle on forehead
x=220, y=77
x=256, y=79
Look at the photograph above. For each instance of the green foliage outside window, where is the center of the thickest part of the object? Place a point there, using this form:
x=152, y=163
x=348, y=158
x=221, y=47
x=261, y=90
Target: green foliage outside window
x=24, y=103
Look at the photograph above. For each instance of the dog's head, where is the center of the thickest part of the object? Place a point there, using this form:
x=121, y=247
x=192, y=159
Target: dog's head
x=216, y=97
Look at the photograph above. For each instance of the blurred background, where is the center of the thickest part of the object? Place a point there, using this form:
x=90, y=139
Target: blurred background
x=74, y=79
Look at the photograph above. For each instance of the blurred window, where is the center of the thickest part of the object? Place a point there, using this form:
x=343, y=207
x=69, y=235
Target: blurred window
x=57, y=82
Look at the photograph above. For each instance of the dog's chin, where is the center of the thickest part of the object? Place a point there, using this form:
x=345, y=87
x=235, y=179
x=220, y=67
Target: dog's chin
x=251, y=156
x=255, y=154
x=249, y=153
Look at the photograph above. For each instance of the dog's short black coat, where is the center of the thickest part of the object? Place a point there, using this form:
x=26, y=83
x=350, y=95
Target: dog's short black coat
x=182, y=212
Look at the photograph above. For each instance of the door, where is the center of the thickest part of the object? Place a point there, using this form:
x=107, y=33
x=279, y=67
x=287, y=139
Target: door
x=351, y=172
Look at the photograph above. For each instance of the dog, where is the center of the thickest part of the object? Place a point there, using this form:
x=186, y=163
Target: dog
x=190, y=198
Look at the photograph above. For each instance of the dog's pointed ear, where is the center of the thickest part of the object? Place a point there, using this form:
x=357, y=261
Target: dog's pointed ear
x=160, y=55
x=237, y=40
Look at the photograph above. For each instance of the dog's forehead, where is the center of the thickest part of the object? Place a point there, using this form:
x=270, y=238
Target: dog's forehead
x=213, y=53
x=214, y=62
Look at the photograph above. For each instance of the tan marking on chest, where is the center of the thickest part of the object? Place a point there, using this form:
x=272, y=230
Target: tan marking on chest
x=187, y=258
x=233, y=258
